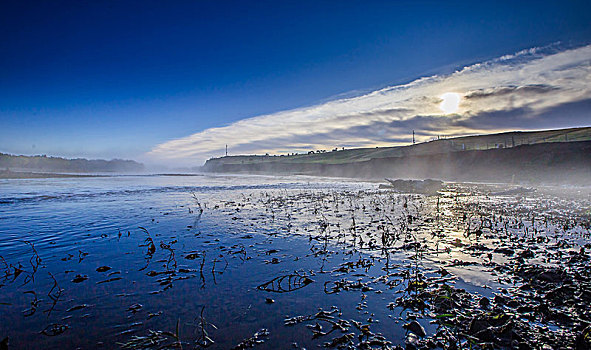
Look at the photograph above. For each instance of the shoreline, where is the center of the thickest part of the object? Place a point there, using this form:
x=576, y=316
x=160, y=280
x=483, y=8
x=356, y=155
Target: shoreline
x=7, y=174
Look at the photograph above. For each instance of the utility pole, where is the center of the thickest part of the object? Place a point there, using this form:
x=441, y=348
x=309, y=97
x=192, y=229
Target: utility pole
x=413, y=137
x=226, y=150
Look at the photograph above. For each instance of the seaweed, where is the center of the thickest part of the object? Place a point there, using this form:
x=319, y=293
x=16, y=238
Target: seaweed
x=204, y=340
x=54, y=329
x=286, y=283
x=257, y=338
x=149, y=242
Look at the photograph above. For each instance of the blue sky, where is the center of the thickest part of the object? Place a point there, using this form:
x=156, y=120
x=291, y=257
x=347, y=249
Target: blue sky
x=133, y=79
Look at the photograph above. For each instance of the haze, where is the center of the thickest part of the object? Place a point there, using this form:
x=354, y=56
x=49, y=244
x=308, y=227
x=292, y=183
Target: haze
x=175, y=85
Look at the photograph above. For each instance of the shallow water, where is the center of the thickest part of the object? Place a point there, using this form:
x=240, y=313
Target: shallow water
x=217, y=238
x=74, y=225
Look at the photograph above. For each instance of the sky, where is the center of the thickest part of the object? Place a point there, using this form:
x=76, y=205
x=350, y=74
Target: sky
x=173, y=83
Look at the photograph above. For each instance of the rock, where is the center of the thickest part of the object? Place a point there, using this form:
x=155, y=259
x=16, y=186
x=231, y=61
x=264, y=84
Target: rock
x=411, y=342
x=416, y=328
x=551, y=275
x=482, y=326
x=80, y=278
x=484, y=302
x=504, y=250
x=500, y=300
x=527, y=254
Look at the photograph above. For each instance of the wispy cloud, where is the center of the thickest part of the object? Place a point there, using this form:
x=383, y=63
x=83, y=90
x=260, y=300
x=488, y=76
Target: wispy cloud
x=532, y=89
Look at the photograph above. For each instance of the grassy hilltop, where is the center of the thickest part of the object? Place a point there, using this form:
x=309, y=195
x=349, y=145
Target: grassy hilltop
x=552, y=156
x=466, y=143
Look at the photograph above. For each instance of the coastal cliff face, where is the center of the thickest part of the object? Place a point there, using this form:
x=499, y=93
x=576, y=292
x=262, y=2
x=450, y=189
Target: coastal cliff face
x=557, y=162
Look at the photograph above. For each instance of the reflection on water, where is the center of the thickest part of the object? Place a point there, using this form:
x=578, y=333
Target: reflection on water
x=91, y=262
x=80, y=225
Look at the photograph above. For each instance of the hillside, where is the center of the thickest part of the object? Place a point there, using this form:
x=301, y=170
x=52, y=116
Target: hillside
x=466, y=143
x=62, y=165
x=545, y=158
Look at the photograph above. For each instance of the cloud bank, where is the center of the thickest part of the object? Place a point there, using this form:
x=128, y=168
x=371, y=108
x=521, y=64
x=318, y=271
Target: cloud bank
x=532, y=89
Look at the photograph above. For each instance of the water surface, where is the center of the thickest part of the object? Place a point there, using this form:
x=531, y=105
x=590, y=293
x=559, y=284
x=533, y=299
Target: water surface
x=98, y=262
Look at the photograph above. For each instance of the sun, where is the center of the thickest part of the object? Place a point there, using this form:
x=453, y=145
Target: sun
x=450, y=102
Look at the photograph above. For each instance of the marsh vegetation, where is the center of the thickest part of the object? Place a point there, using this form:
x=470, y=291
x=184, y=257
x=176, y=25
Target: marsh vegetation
x=299, y=264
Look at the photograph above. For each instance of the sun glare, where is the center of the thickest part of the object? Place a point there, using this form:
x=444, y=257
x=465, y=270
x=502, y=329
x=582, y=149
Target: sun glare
x=450, y=103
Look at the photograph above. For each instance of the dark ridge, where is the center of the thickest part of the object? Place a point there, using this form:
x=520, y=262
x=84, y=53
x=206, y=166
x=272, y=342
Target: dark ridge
x=43, y=163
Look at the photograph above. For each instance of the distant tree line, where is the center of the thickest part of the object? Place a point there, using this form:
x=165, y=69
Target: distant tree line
x=57, y=164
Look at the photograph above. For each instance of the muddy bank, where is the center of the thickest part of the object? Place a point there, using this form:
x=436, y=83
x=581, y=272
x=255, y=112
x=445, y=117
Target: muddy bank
x=559, y=162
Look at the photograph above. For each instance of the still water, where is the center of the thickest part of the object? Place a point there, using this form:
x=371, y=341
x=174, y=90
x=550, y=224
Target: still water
x=80, y=224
